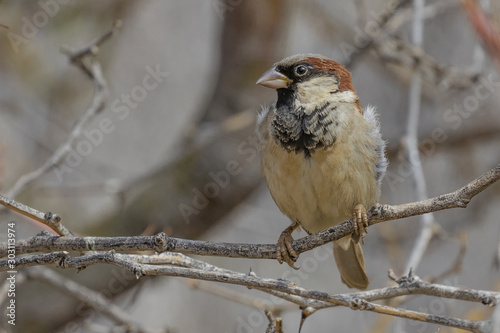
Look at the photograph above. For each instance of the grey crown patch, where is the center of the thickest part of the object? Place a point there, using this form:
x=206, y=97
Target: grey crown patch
x=298, y=131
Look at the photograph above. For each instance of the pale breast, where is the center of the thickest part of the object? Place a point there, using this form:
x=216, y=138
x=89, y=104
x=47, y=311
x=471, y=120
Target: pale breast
x=322, y=190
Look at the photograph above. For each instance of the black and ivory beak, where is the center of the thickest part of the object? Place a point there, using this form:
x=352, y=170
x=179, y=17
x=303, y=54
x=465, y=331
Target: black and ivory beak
x=274, y=79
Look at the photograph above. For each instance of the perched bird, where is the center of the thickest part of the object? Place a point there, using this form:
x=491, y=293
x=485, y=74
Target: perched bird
x=323, y=157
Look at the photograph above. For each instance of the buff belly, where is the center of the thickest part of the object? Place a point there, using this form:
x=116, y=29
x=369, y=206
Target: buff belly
x=321, y=190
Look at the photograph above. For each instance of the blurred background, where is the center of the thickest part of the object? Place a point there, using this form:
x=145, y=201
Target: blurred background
x=178, y=153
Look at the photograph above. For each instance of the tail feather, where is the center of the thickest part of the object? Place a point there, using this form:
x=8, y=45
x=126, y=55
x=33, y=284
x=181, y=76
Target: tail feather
x=351, y=263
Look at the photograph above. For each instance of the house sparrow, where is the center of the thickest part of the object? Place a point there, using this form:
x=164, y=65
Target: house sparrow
x=323, y=156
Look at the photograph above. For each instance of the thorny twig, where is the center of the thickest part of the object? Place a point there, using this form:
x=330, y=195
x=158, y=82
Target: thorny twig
x=189, y=268
x=93, y=70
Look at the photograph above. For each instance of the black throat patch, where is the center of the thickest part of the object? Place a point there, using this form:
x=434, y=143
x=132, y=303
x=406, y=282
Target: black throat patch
x=297, y=131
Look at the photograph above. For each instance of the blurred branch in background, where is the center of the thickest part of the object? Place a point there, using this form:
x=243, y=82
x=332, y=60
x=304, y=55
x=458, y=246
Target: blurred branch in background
x=378, y=32
x=428, y=223
x=485, y=29
x=220, y=142
x=82, y=58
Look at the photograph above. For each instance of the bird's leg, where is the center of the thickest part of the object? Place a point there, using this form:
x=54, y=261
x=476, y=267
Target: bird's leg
x=284, y=247
x=360, y=219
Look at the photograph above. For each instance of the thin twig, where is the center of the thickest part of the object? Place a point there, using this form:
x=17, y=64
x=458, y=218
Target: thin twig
x=93, y=70
x=427, y=221
x=49, y=219
x=275, y=324
x=93, y=47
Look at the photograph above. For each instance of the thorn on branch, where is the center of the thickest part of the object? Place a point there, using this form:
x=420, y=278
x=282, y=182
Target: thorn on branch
x=275, y=323
x=306, y=312
x=392, y=275
x=405, y=279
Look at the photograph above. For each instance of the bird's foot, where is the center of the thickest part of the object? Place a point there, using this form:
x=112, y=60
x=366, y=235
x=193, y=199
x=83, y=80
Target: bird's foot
x=360, y=219
x=285, y=251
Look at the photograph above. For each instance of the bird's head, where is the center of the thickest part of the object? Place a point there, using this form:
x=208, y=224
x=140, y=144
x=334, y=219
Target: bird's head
x=308, y=80
x=316, y=101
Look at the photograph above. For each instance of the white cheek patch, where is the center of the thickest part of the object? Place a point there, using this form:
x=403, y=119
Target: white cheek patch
x=320, y=90
x=313, y=92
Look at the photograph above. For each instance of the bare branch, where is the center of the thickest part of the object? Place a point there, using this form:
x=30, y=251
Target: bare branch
x=275, y=324
x=93, y=70
x=356, y=301
x=49, y=219
x=161, y=242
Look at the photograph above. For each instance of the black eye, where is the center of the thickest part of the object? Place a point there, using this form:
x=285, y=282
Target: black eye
x=301, y=70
